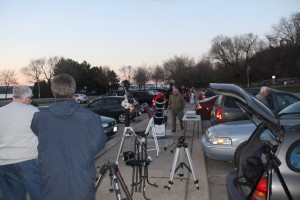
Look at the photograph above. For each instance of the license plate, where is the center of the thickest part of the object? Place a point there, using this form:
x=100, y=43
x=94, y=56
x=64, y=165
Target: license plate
x=115, y=129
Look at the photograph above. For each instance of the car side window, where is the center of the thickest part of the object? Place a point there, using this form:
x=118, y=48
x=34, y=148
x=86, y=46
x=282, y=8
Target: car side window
x=112, y=102
x=100, y=102
x=230, y=102
x=293, y=156
x=284, y=100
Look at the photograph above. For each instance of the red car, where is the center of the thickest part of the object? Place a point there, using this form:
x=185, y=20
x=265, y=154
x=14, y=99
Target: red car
x=205, y=106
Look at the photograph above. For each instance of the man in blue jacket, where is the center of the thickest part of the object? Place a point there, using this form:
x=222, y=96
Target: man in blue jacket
x=69, y=138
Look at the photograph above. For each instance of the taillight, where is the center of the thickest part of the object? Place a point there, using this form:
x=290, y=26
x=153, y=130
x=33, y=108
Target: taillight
x=199, y=106
x=131, y=108
x=261, y=189
x=219, y=113
x=153, y=100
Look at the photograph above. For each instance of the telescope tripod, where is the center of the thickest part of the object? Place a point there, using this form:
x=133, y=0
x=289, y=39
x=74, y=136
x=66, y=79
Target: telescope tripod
x=272, y=165
x=128, y=131
x=115, y=177
x=182, y=145
x=139, y=162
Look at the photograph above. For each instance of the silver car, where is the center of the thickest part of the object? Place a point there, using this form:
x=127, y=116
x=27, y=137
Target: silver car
x=268, y=164
x=225, y=108
x=220, y=141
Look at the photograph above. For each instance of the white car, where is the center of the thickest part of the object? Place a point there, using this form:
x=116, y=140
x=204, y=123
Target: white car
x=80, y=98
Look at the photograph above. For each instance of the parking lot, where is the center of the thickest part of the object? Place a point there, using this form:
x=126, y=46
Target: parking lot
x=216, y=170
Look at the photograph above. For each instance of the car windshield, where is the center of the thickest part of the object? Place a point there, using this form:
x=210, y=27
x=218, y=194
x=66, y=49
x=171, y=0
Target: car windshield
x=210, y=98
x=292, y=111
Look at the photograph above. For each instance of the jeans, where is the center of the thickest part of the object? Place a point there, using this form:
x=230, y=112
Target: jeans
x=19, y=178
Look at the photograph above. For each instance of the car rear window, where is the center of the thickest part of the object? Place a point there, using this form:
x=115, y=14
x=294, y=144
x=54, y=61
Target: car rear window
x=230, y=102
x=293, y=156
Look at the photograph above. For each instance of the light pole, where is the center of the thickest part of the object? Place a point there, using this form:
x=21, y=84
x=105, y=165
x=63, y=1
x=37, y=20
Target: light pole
x=248, y=68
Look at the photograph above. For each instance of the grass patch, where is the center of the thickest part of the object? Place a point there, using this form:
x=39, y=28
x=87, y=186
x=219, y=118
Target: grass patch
x=289, y=88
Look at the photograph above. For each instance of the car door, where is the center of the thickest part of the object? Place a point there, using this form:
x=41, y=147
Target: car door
x=283, y=100
x=97, y=106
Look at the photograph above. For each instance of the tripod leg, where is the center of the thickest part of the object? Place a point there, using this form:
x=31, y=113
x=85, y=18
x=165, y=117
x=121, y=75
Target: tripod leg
x=123, y=185
x=155, y=139
x=269, y=172
x=100, y=177
x=191, y=166
x=122, y=141
x=116, y=184
x=180, y=167
x=287, y=192
x=121, y=146
x=173, y=168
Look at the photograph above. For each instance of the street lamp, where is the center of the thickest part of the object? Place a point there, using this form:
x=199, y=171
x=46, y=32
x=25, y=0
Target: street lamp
x=248, y=68
x=273, y=79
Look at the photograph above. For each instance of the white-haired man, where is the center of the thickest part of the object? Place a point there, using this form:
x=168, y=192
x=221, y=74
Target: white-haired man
x=264, y=92
x=18, y=148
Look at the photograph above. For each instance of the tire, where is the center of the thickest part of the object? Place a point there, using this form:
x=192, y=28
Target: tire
x=121, y=118
x=79, y=101
x=142, y=109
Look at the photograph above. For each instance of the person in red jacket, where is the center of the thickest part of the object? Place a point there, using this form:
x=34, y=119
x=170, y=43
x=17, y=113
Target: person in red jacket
x=160, y=95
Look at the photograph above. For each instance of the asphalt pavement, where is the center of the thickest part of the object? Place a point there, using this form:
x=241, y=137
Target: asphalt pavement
x=159, y=170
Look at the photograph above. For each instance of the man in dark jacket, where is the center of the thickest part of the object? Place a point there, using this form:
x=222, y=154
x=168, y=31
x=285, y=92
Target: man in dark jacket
x=69, y=138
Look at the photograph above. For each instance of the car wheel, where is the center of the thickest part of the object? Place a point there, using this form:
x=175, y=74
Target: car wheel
x=79, y=101
x=238, y=152
x=142, y=109
x=121, y=118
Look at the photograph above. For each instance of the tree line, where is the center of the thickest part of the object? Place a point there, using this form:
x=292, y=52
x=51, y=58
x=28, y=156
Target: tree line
x=235, y=59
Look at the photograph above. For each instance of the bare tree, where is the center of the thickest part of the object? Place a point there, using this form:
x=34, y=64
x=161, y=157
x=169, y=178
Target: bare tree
x=158, y=75
x=127, y=72
x=34, y=70
x=8, y=77
x=234, y=53
x=179, y=70
x=48, y=68
x=142, y=75
x=287, y=29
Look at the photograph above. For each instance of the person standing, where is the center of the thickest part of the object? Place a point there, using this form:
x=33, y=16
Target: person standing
x=176, y=105
x=18, y=148
x=69, y=138
x=192, y=98
x=262, y=96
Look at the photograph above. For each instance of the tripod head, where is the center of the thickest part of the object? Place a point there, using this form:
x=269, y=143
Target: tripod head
x=270, y=150
x=128, y=101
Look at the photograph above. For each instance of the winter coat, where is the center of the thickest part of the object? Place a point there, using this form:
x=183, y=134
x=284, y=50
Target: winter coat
x=69, y=138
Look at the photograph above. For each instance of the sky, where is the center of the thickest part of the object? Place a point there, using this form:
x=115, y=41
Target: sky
x=118, y=33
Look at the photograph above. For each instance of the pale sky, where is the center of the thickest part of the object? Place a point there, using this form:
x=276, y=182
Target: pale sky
x=118, y=33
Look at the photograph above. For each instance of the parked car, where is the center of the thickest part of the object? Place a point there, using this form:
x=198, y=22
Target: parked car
x=205, y=106
x=220, y=141
x=225, y=108
x=205, y=93
x=111, y=107
x=274, y=144
x=80, y=98
x=153, y=92
x=109, y=124
x=120, y=93
x=143, y=96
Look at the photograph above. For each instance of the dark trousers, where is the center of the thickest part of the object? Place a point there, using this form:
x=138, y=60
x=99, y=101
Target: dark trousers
x=179, y=114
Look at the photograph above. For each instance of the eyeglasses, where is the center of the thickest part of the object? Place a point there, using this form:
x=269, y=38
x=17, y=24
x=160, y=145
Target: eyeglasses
x=29, y=99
